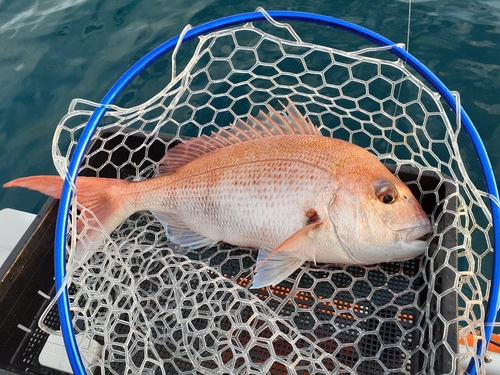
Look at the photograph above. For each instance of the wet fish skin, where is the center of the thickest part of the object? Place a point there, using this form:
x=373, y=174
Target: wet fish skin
x=272, y=183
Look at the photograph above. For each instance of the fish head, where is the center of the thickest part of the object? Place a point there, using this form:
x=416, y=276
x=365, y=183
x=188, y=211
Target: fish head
x=378, y=220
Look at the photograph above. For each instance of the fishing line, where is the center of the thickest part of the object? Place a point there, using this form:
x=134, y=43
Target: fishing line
x=402, y=76
x=408, y=29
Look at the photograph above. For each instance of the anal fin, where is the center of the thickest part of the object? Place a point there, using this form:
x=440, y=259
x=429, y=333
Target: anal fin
x=179, y=233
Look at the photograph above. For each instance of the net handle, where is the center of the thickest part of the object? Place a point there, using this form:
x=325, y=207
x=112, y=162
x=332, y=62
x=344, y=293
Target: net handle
x=84, y=140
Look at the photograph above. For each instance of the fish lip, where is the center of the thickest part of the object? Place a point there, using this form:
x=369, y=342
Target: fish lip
x=410, y=241
x=414, y=233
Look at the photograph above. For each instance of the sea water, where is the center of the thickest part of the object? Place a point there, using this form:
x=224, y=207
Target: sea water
x=52, y=51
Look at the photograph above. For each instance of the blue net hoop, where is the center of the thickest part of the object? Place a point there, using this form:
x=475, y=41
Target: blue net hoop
x=84, y=141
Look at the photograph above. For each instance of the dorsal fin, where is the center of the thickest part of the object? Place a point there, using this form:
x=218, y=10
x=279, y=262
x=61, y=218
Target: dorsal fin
x=261, y=126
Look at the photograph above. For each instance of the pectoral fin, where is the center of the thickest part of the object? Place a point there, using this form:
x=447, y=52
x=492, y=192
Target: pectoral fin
x=274, y=266
x=274, y=269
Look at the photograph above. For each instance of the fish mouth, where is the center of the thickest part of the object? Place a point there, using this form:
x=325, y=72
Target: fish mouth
x=415, y=233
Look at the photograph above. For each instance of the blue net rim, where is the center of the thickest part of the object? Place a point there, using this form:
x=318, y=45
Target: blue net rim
x=84, y=141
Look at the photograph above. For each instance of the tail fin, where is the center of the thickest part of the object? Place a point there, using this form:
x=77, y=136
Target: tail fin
x=105, y=197
x=48, y=185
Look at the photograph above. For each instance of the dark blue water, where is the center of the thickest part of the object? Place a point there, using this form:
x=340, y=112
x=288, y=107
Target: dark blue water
x=54, y=50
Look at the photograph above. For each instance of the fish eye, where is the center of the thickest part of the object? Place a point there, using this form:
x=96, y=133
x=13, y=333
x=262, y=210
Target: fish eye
x=387, y=194
x=388, y=198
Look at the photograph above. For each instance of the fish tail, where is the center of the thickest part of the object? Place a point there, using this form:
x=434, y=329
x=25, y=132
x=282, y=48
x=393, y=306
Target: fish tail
x=48, y=185
x=106, y=198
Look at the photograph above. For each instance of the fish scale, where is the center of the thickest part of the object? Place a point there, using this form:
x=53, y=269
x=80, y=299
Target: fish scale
x=247, y=195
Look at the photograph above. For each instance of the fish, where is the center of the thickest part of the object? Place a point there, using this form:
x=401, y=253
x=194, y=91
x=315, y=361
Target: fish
x=272, y=182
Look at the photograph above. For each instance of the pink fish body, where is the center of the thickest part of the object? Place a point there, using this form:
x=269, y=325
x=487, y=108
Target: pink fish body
x=272, y=183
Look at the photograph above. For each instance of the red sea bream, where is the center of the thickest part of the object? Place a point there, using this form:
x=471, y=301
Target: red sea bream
x=273, y=183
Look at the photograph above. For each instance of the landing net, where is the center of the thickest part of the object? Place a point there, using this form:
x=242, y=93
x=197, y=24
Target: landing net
x=155, y=309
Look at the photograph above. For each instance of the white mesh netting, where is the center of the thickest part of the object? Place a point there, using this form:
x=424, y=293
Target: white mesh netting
x=156, y=310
